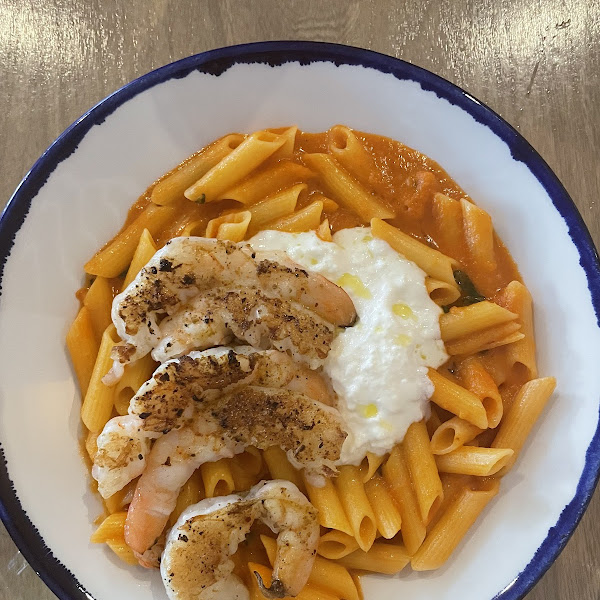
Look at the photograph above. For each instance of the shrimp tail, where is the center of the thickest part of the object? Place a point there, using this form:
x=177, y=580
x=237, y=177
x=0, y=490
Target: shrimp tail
x=277, y=589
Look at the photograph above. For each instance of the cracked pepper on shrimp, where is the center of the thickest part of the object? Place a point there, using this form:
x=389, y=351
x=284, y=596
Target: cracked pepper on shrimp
x=296, y=358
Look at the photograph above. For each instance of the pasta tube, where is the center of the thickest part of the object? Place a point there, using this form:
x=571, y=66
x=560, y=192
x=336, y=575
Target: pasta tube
x=452, y=526
x=469, y=460
x=116, y=256
x=172, y=187
x=387, y=516
x=268, y=182
x=145, y=250
x=423, y=470
x=453, y=434
x=83, y=348
x=252, y=152
x=459, y=401
x=98, y=402
x=434, y=263
x=524, y=412
x=346, y=190
x=396, y=474
x=336, y=544
x=356, y=505
x=462, y=321
x=381, y=558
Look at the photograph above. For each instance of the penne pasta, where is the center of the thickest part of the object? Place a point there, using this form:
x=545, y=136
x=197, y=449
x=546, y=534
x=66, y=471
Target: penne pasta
x=387, y=516
x=440, y=292
x=116, y=256
x=191, y=493
x=172, y=187
x=83, y=346
x=247, y=468
x=99, y=399
x=521, y=354
x=277, y=206
x=479, y=234
x=324, y=231
x=280, y=467
x=369, y=465
x=195, y=228
x=434, y=420
x=434, y=263
x=350, y=153
x=269, y=182
x=345, y=190
x=453, y=434
x=145, y=250
x=397, y=476
x=119, y=500
x=217, y=478
x=123, y=551
x=91, y=444
x=336, y=544
x=486, y=339
x=452, y=526
x=134, y=375
x=469, y=460
x=111, y=528
x=232, y=226
x=381, y=558
x=98, y=301
x=239, y=163
x=331, y=511
x=306, y=219
x=423, y=470
x=477, y=380
x=457, y=400
x=524, y=412
x=448, y=224
x=353, y=498
x=465, y=320
x=287, y=149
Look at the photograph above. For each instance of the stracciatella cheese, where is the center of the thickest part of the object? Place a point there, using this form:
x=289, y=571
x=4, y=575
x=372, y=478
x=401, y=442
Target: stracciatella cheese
x=378, y=368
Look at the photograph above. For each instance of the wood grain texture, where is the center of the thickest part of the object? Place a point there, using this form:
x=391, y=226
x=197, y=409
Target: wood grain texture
x=536, y=62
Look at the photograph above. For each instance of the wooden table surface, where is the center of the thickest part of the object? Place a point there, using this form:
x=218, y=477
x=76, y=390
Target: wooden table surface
x=535, y=62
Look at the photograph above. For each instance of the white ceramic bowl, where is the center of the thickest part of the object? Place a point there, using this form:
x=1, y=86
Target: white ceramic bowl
x=77, y=194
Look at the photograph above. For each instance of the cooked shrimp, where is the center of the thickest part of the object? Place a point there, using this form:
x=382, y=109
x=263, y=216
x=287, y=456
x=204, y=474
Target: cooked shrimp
x=197, y=564
x=310, y=432
x=221, y=315
x=121, y=456
x=168, y=398
x=188, y=266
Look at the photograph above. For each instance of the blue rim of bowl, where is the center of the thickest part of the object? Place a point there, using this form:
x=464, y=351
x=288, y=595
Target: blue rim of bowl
x=63, y=583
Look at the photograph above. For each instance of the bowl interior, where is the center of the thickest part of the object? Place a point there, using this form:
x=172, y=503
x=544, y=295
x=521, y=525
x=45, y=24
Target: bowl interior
x=149, y=130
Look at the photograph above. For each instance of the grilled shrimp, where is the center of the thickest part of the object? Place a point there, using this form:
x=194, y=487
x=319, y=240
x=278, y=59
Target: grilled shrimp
x=221, y=315
x=175, y=392
x=197, y=564
x=189, y=266
x=310, y=432
x=121, y=455
x=168, y=398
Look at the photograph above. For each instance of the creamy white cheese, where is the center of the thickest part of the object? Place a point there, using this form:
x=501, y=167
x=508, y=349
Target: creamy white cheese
x=378, y=368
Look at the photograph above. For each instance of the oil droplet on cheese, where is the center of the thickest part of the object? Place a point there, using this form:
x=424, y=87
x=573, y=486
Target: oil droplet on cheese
x=403, y=310
x=369, y=410
x=347, y=280
x=402, y=339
